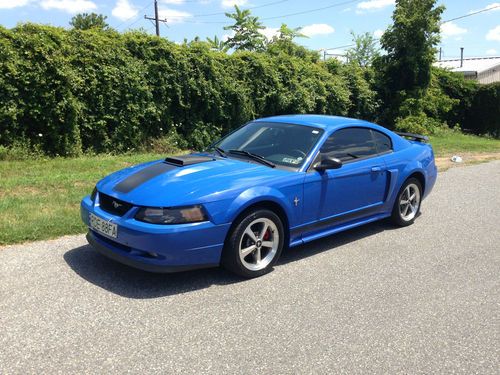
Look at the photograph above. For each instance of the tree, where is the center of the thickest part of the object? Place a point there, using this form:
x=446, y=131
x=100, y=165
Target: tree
x=86, y=21
x=217, y=45
x=246, y=34
x=283, y=42
x=365, y=49
x=410, y=43
x=288, y=34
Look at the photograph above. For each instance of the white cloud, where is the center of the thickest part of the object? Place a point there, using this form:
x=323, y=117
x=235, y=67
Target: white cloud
x=378, y=33
x=232, y=3
x=269, y=32
x=317, y=29
x=124, y=10
x=173, y=16
x=492, y=52
x=494, y=6
x=494, y=34
x=451, y=29
x=9, y=4
x=69, y=6
x=375, y=4
x=175, y=2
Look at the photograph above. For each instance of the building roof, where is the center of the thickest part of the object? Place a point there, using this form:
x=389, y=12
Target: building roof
x=470, y=64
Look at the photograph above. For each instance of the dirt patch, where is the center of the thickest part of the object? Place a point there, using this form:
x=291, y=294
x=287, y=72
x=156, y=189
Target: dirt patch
x=444, y=162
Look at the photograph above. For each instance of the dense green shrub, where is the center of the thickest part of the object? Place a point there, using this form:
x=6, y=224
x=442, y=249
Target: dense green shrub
x=419, y=124
x=71, y=91
x=483, y=116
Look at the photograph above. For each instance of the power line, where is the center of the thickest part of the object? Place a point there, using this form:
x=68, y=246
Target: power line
x=223, y=13
x=443, y=22
x=472, y=14
x=250, y=8
x=136, y=17
x=267, y=18
x=311, y=10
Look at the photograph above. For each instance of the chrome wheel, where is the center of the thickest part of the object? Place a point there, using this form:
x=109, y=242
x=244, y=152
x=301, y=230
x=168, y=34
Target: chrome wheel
x=259, y=244
x=409, y=202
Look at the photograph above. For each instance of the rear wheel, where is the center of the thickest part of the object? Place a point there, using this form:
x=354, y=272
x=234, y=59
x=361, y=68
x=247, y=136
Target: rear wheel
x=407, y=204
x=254, y=244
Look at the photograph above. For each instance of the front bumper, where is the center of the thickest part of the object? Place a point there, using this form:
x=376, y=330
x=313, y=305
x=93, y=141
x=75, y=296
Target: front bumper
x=157, y=248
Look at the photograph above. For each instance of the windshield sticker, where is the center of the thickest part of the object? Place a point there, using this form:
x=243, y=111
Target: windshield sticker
x=291, y=161
x=315, y=131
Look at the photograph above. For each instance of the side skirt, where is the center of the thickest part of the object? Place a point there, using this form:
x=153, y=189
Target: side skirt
x=339, y=228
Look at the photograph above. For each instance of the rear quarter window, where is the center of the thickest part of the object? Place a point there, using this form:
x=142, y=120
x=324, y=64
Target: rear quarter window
x=382, y=141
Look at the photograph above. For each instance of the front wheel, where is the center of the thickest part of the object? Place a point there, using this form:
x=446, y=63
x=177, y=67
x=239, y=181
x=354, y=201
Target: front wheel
x=407, y=204
x=254, y=244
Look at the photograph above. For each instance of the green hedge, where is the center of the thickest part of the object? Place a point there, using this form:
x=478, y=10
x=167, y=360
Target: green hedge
x=476, y=108
x=66, y=92
x=483, y=115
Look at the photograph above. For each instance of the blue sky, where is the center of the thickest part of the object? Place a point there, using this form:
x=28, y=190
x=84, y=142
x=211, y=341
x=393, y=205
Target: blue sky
x=329, y=27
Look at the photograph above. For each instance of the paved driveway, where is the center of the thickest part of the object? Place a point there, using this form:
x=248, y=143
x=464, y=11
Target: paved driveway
x=423, y=299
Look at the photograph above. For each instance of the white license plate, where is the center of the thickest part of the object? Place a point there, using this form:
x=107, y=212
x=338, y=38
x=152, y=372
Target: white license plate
x=103, y=226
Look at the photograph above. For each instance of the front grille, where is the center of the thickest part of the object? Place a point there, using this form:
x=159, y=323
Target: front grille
x=113, y=206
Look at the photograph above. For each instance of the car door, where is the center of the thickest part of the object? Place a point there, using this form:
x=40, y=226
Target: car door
x=357, y=189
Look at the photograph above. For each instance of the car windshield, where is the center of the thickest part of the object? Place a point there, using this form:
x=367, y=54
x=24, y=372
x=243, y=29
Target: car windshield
x=279, y=143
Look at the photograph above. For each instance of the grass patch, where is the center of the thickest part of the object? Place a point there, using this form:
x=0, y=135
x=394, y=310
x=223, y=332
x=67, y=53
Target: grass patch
x=39, y=199
x=450, y=142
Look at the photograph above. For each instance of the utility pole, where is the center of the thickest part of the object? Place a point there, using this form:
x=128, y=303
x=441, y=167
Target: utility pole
x=156, y=19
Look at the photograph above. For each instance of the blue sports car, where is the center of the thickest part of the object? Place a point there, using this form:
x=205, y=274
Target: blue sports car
x=274, y=182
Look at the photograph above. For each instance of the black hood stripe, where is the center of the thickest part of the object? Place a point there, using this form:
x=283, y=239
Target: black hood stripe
x=140, y=177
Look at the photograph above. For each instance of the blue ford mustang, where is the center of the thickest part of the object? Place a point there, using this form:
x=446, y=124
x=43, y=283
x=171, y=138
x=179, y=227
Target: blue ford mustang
x=274, y=182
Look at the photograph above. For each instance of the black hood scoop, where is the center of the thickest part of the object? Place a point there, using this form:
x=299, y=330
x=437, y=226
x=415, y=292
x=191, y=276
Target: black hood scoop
x=147, y=173
x=185, y=160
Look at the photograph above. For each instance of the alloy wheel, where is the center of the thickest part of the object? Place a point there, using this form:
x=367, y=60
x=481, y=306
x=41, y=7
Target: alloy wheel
x=409, y=202
x=259, y=244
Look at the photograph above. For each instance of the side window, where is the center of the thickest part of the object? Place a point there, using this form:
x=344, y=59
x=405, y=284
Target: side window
x=383, y=142
x=350, y=144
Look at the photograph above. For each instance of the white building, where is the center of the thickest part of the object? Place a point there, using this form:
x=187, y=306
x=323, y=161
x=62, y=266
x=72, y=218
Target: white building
x=481, y=69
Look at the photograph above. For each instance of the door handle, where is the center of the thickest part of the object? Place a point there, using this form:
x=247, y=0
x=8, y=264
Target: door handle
x=376, y=169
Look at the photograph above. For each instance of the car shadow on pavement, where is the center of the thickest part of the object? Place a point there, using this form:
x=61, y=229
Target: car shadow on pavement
x=133, y=283
x=300, y=252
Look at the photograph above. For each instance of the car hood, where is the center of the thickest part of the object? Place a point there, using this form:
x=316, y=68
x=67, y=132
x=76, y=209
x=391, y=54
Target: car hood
x=203, y=182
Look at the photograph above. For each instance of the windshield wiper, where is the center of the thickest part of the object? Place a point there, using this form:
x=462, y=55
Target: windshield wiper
x=253, y=156
x=221, y=152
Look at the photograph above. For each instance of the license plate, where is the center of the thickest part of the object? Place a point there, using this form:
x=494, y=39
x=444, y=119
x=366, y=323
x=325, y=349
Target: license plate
x=103, y=226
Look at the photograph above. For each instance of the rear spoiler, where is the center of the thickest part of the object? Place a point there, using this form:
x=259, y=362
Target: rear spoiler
x=414, y=137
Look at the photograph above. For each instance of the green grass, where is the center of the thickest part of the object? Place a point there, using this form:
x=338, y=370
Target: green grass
x=447, y=143
x=39, y=199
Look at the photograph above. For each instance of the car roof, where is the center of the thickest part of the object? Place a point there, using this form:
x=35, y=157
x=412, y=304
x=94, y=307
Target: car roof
x=326, y=122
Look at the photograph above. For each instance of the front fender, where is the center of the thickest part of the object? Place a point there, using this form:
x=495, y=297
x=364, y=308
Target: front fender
x=226, y=211
x=255, y=195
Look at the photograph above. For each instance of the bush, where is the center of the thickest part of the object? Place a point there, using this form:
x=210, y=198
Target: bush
x=483, y=116
x=101, y=91
x=418, y=124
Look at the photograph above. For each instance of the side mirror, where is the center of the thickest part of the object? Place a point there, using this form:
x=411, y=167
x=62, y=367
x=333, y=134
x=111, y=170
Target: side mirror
x=327, y=162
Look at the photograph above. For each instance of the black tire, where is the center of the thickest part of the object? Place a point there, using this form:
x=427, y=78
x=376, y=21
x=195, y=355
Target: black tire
x=397, y=217
x=231, y=259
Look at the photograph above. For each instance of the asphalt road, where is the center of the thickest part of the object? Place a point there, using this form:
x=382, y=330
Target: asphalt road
x=423, y=299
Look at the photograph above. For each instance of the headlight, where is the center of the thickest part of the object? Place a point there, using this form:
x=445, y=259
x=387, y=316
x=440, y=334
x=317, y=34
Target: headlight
x=176, y=215
x=93, y=195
